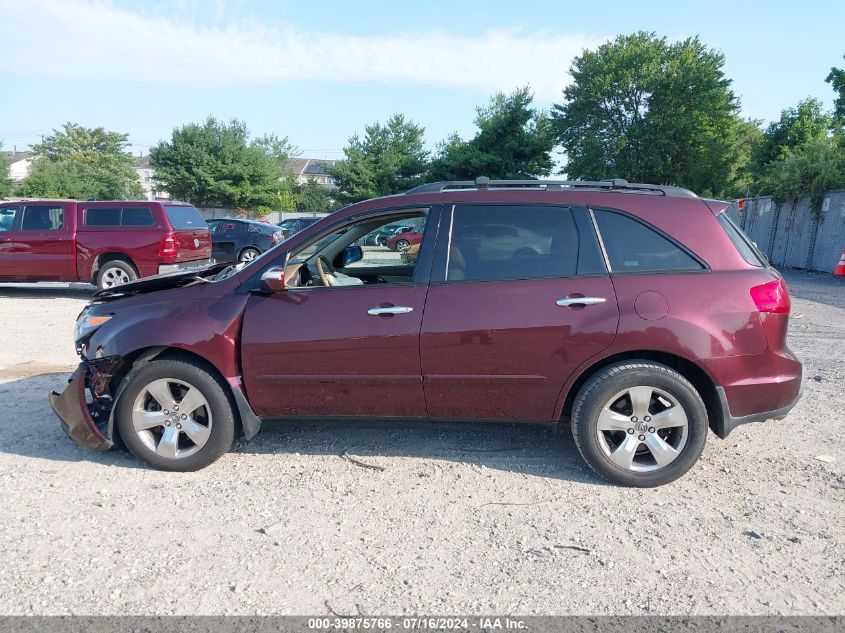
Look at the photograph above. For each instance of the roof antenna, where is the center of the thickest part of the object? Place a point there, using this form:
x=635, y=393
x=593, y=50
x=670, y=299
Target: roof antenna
x=482, y=183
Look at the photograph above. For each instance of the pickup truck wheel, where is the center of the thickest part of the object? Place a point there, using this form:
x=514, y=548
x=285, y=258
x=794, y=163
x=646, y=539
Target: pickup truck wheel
x=175, y=415
x=115, y=273
x=639, y=423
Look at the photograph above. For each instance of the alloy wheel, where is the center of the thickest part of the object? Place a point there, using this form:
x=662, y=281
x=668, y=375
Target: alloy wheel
x=642, y=428
x=172, y=418
x=115, y=277
x=248, y=255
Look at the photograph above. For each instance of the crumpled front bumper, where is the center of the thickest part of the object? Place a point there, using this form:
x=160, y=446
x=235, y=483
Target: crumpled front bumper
x=75, y=413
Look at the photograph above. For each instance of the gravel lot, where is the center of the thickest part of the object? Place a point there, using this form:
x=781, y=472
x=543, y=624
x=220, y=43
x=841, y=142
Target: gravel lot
x=463, y=519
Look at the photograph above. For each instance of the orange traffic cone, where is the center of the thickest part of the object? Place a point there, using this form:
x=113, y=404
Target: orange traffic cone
x=840, y=267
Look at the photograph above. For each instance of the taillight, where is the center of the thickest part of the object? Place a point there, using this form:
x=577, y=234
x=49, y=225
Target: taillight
x=278, y=236
x=772, y=297
x=167, y=247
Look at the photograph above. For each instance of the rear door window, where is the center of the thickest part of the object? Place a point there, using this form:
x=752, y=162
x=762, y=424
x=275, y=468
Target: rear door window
x=183, y=218
x=495, y=242
x=43, y=218
x=634, y=246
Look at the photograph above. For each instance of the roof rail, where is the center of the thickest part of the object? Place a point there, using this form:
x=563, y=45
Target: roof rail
x=483, y=183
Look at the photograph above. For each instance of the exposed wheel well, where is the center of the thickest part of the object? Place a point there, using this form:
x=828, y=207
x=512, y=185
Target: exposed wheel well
x=103, y=258
x=689, y=370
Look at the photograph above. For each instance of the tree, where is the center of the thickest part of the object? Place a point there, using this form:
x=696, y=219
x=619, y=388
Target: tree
x=214, y=164
x=647, y=110
x=812, y=169
x=836, y=79
x=513, y=141
x=797, y=127
x=83, y=163
x=5, y=182
x=312, y=196
x=390, y=159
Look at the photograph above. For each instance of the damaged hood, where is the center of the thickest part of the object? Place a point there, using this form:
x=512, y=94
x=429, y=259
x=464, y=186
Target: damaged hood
x=156, y=283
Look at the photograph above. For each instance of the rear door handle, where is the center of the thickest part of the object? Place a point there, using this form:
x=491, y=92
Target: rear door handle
x=389, y=310
x=582, y=301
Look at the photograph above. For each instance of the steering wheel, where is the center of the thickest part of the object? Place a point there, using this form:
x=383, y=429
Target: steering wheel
x=326, y=271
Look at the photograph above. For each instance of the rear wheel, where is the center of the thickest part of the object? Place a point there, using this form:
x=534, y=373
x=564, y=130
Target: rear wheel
x=639, y=423
x=115, y=273
x=248, y=254
x=175, y=415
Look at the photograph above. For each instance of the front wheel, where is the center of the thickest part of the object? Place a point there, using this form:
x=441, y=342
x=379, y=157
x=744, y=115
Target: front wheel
x=175, y=415
x=639, y=423
x=402, y=245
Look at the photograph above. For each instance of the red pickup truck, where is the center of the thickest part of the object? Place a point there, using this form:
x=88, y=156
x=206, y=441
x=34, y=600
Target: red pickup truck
x=106, y=243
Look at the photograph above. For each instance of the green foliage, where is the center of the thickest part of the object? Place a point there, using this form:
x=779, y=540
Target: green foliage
x=797, y=127
x=214, y=164
x=513, y=141
x=812, y=169
x=5, y=182
x=389, y=159
x=647, y=110
x=83, y=163
x=836, y=79
x=311, y=196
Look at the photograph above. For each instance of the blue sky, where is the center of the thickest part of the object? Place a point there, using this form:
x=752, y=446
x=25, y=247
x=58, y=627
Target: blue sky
x=318, y=72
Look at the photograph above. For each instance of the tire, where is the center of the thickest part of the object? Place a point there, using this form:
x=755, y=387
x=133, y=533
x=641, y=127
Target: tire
x=524, y=253
x=604, y=421
x=114, y=273
x=402, y=245
x=248, y=254
x=212, y=424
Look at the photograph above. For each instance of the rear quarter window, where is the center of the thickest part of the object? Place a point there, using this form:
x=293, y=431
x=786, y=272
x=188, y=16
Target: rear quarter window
x=741, y=241
x=182, y=218
x=634, y=246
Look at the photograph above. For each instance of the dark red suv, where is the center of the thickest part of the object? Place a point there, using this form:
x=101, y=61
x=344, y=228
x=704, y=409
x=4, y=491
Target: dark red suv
x=638, y=314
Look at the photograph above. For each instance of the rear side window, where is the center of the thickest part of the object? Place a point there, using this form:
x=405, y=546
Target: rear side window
x=117, y=216
x=184, y=217
x=633, y=246
x=102, y=216
x=42, y=218
x=741, y=241
x=137, y=216
x=494, y=242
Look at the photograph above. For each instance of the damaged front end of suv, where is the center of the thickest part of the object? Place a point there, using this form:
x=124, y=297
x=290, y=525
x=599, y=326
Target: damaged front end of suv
x=85, y=407
x=125, y=328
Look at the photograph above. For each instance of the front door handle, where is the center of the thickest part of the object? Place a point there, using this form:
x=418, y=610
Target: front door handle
x=580, y=301
x=389, y=310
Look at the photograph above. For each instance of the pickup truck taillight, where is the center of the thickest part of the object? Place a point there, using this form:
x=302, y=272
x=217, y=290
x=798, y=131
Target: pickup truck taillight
x=167, y=248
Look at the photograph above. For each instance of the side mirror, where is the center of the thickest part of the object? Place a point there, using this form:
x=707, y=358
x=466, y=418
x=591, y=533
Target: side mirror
x=273, y=279
x=352, y=254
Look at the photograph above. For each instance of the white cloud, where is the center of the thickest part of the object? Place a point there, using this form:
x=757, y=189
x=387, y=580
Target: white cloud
x=82, y=40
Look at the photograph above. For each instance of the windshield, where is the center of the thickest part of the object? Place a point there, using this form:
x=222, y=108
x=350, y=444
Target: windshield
x=317, y=246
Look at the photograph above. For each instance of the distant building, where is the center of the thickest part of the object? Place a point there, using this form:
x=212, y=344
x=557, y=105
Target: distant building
x=307, y=168
x=146, y=175
x=19, y=165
